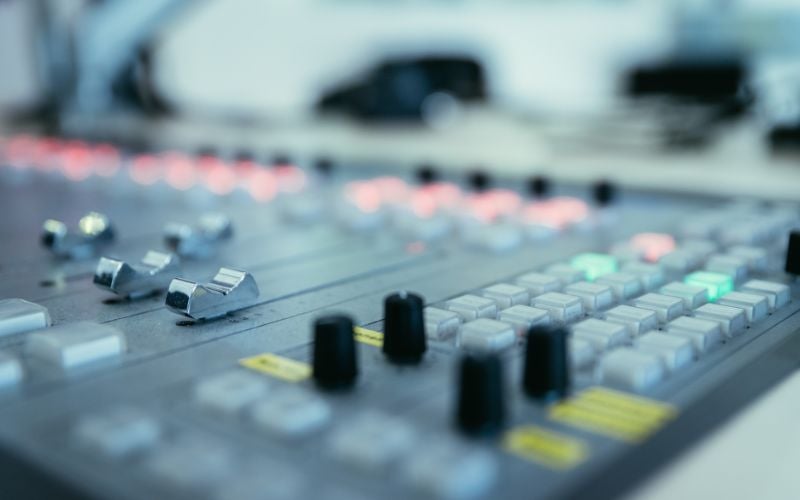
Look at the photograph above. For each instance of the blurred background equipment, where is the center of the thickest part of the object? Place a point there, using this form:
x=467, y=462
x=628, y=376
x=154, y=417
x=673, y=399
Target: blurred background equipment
x=348, y=249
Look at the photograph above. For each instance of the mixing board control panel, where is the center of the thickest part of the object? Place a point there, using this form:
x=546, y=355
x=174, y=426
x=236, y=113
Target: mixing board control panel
x=200, y=327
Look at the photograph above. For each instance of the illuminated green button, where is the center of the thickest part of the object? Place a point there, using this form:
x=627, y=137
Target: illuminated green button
x=594, y=265
x=716, y=284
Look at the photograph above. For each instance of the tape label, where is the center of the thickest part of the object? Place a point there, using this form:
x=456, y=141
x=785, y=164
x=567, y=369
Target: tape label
x=613, y=413
x=366, y=336
x=278, y=367
x=545, y=447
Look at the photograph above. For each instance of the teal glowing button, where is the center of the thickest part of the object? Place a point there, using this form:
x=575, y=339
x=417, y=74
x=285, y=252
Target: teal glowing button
x=594, y=265
x=716, y=284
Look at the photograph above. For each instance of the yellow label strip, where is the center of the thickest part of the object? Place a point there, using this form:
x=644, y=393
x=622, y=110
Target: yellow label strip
x=278, y=366
x=545, y=447
x=613, y=413
x=366, y=336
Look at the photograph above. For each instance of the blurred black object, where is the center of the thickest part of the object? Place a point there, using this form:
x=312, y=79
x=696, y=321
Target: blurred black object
x=704, y=81
x=396, y=90
x=784, y=138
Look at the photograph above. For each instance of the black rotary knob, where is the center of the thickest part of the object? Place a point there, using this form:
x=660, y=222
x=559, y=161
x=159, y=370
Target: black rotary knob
x=604, y=193
x=481, y=401
x=404, y=339
x=546, y=373
x=539, y=186
x=793, y=253
x=479, y=180
x=335, y=357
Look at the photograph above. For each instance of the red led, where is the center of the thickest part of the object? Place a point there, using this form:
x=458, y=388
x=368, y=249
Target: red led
x=145, y=170
x=653, y=246
x=180, y=171
x=221, y=179
x=364, y=195
x=290, y=178
x=262, y=185
x=106, y=160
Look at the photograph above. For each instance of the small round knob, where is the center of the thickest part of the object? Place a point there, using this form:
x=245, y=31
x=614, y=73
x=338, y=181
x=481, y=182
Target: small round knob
x=604, y=193
x=546, y=373
x=481, y=402
x=404, y=339
x=539, y=186
x=335, y=359
x=479, y=180
x=427, y=174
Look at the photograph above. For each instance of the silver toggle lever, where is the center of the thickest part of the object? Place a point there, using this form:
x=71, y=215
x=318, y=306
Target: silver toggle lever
x=199, y=241
x=229, y=291
x=153, y=274
x=94, y=232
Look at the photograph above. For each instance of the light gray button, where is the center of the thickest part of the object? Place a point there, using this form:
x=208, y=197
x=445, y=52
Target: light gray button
x=441, y=324
x=117, y=433
x=566, y=273
x=265, y=474
x=755, y=306
x=372, y=440
x=693, y=296
x=594, y=296
x=291, y=412
x=471, y=307
x=732, y=320
x=650, y=275
x=11, y=372
x=756, y=257
x=75, y=344
x=19, y=316
x=487, y=335
x=522, y=318
x=190, y=462
x=230, y=392
x=450, y=470
x=636, y=320
x=777, y=294
x=666, y=307
x=538, y=283
x=704, y=334
x=603, y=335
x=731, y=265
x=703, y=249
x=581, y=352
x=624, y=285
x=506, y=295
x=562, y=308
x=631, y=369
x=675, y=352
x=678, y=261
x=495, y=238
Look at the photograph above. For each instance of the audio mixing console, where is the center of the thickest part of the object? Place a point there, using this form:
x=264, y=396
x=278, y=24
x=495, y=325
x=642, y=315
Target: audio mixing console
x=206, y=327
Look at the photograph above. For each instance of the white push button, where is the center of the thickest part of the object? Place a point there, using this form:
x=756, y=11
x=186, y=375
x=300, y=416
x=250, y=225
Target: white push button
x=372, y=440
x=118, y=433
x=487, y=335
x=693, y=296
x=11, y=372
x=731, y=265
x=19, y=316
x=675, y=352
x=538, y=283
x=704, y=334
x=291, y=412
x=581, y=352
x=631, y=369
x=441, y=324
x=563, y=308
x=566, y=273
x=636, y=320
x=603, y=335
x=522, y=318
x=450, y=470
x=594, y=296
x=755, y=306
x=777, y=294
x=75, y=344
x=666, y=307
x=650, y=275
x=506, y=295
x=731, y=320
x=471, y=307
x=230, y=392
x=625, y=285
x=756, y=257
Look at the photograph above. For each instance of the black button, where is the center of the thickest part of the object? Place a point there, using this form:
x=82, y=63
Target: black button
x=481, y=402
x=539, y=186
x=604, y=193
x=546, y=371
